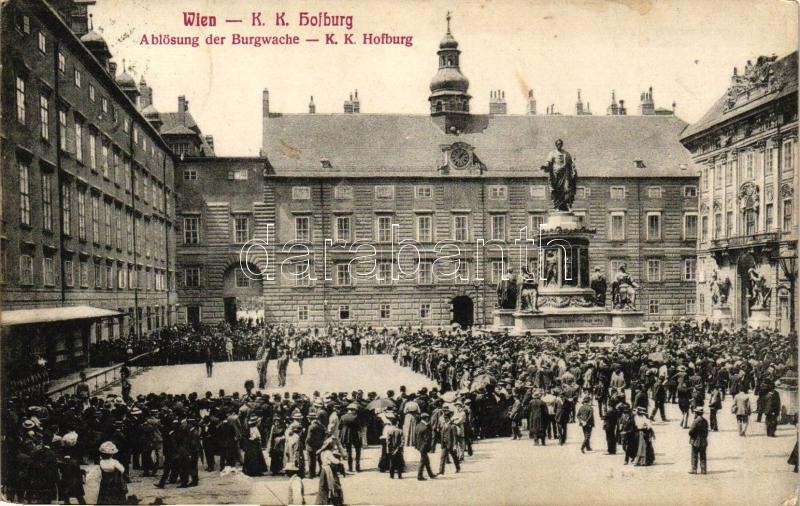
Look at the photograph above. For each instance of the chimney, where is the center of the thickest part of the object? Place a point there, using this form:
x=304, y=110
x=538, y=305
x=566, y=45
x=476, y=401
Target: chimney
x=265, y=103
x=579, y=104
x=146, y=94
x=531, y=103
x=312, y=109
x=356, y=103
x=622, y=111
x=183, y=104
x=210, y=141
x=497, y=102
x=647, y=106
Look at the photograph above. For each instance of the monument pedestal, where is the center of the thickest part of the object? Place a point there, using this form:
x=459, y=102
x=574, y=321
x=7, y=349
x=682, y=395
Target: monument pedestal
x=503, y=318
x=722, y=315
x=571, y=321
x=759, y=319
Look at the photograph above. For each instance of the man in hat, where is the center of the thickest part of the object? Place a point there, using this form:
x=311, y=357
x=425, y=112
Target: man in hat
x=585, y=417
x=772, y=408
x=610, y=421
x=423, y=438
x=394, y=449
x=315, y=436
x=449, y=438
x=698, y=439
x=349, y=435
x=537, y=419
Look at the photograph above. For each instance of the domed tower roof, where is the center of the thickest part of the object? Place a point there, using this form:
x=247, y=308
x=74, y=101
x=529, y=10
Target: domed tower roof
x=449, y=86
x=96, y=45
x=125, y=80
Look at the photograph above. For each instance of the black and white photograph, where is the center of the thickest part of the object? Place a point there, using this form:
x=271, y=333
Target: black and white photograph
x=409, y=252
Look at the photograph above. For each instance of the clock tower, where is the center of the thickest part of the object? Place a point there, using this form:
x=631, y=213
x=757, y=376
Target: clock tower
x=449, y=99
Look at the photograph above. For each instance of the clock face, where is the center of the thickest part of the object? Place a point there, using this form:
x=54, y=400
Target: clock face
x=460, y=158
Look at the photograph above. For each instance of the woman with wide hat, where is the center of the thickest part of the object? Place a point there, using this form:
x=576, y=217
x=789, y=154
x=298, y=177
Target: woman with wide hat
x=254, y=463
x=113, y=489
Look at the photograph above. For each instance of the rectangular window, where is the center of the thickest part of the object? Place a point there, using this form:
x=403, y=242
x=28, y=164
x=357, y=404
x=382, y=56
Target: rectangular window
x=787, y=215
x=104, y=159
x=718, y=176
x=191, y=231
x=92, y=150
x=242, y=281
x=48, y=271
x=190, y=175
x=497, y=272
x=655, y=192
x=582, y=192
x=652, y=306
x=126, y=165
x=617, y=193
x=539, y=191
x=122, y=276
x=126, y=125
x=84, y=274
x=499, y=227
x=385, y=273
x=342, y=228
x=423, y=192
x=62, y=130
x=192, y=277
x=302, y=274
x=302, y=313
x=425, y=273
x=108, y=224
x=750, y=221
x=25, y=270
x=301, y=193
x=129, y=230
x=66, y=210
x=385, y=311
x=729, y=224
x=241, y=226
x=118, y=227
x=69, y=274
x=343, y=274
x=62, y=62
x=653, y=226
x=717, y=225
x=96, y=219
x=498, y=192
x=82, y=215
x=689, y=269
x=25, y=24
x=768, y=161
x=44, y=117
x=344, y=312
x=98, y=281
x=617, y=226
x=462, y=276
x=109, y=277
x=769, y=210
x=117, y=169
x=20, y=100
x=690, y=306
x=424, y=228
x=91, y=93
x=242, y=175
x=704, y=228
x=343, y=192
x=42, y=43
x=749, y=163
x=24, y=194
x=78, y=140
x=47, y=202
x=384, y=192
x=690, y=226
x=77, y=78
x=461, y=227
x=424, y=310
x=653, y=269
x=384, y=224
x=535, y=222
x=704, y=179
x=302, y=228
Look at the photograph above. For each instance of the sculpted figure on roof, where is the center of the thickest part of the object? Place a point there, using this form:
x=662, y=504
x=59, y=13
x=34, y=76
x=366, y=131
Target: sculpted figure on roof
x=563, y=177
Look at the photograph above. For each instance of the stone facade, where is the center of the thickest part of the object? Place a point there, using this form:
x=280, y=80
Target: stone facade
x=745, y=148
x=88, y=198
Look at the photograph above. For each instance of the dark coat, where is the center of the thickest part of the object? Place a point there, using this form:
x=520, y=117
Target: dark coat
x=315, y=436
x=698, y=432
x=423, y=437
x=449, y=435
x=349, y=426
x=538, y=416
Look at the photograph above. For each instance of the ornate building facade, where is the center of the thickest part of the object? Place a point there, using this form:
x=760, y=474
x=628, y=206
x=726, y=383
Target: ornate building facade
x=745, y=148
x=340, y=186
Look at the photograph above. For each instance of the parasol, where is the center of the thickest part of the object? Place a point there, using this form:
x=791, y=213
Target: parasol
x=380, y=404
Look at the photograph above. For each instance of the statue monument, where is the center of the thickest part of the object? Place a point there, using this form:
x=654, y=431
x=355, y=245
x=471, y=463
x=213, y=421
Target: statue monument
x=561, y=299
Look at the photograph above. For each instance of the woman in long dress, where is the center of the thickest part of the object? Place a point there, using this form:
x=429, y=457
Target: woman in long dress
x=411, y=412
x=254, y=463
x=330, y=487
x=113, y=489
x=645, y=454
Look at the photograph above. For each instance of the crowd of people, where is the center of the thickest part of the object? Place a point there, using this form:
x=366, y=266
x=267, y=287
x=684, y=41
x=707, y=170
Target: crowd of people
x=490, y=384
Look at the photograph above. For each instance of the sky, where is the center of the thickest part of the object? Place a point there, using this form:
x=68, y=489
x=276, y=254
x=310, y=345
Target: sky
x=684, y=49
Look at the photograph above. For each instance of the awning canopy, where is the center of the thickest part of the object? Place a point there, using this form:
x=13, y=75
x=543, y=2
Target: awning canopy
x=53, y=314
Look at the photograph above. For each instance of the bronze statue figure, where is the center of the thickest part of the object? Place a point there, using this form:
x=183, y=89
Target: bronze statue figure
x=563, y=177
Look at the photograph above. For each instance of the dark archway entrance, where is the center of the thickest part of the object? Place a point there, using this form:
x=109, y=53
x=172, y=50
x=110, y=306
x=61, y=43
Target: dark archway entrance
x=463, y=311
x=230, y=310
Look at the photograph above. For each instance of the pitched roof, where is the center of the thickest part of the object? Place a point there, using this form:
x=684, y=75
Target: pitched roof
x=183, y=123
x=785, y=67
x=363, y=145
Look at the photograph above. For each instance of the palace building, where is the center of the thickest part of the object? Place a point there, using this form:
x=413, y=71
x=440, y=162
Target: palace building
x=88, y=251
x=745, y=147
x=333, y=187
